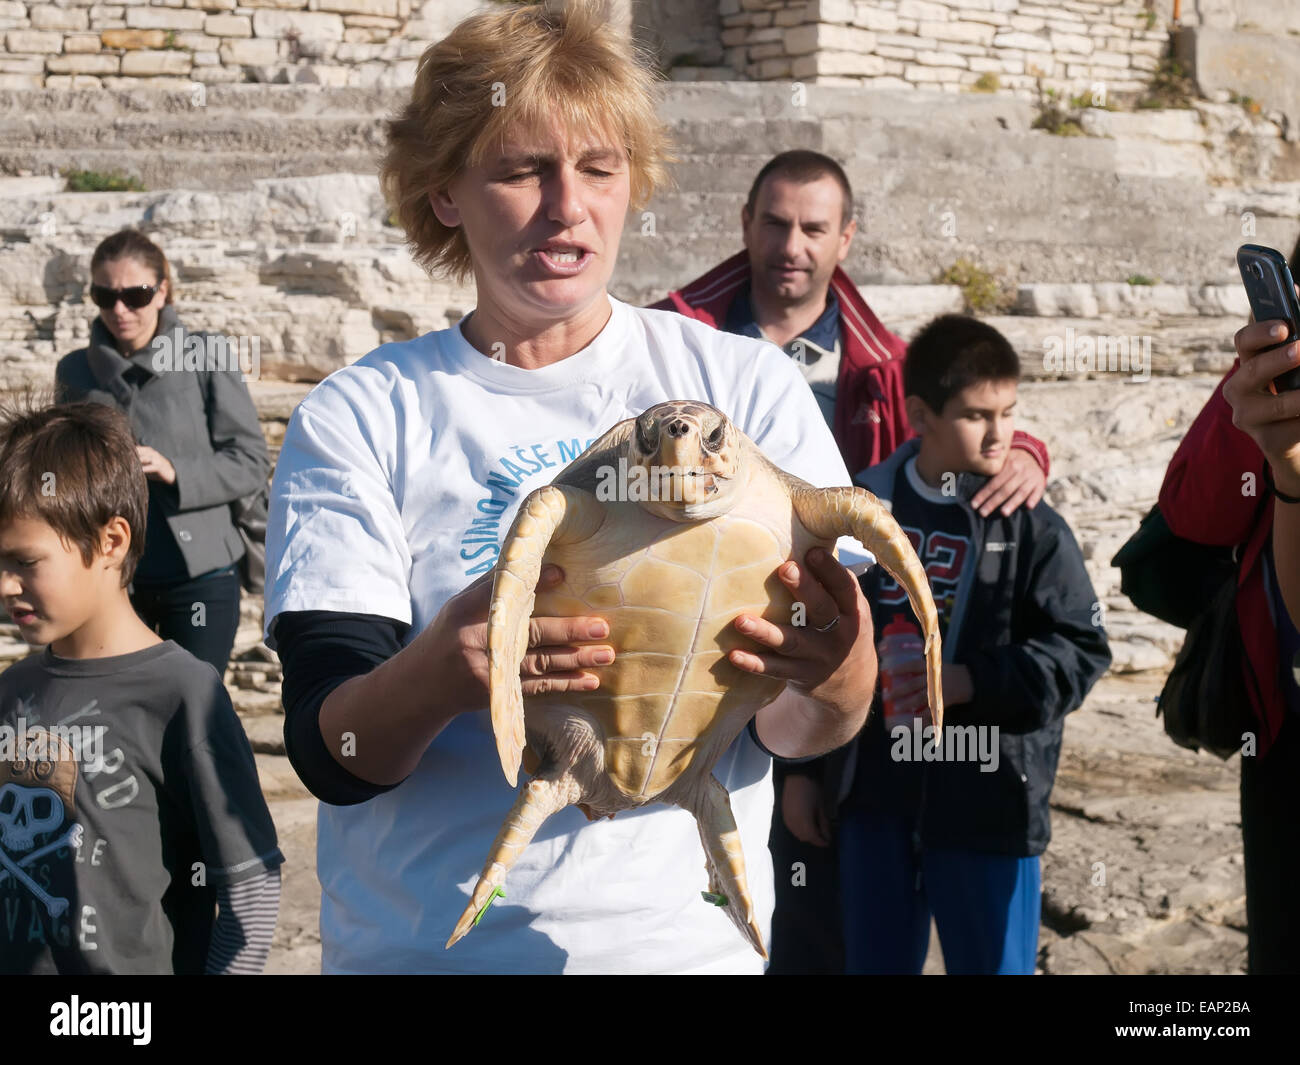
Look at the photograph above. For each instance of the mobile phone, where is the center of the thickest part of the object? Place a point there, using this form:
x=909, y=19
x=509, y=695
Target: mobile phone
x=1271, y=291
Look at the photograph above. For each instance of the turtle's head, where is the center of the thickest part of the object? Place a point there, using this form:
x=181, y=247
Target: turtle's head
x=690, y=454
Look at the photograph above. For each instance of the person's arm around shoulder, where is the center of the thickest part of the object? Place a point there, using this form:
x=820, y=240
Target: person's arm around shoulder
x=1272, y=423
x=1022, y=480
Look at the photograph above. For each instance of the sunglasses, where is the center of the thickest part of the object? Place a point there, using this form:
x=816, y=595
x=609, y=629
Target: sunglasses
x=135, y=297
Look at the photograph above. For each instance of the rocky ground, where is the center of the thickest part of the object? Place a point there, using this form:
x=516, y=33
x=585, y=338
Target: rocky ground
x=1144, y=870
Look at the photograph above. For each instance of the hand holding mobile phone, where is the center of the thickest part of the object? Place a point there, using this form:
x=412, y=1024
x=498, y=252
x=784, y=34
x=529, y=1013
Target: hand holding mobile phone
x=1272, y=294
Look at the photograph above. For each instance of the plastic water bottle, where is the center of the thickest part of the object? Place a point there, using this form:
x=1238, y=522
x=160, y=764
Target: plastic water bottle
x=902, y=644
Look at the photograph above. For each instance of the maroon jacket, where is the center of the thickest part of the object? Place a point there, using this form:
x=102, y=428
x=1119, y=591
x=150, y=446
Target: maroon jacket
x=870, y=419
x=1202, y=501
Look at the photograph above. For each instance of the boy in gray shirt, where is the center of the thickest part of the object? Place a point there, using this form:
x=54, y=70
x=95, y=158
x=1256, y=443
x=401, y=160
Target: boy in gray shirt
x=133, y=833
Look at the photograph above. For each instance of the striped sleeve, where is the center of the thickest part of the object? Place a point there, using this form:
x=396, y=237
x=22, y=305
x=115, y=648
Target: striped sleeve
x=246, y=915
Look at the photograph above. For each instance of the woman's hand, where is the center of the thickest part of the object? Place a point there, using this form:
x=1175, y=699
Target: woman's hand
x=1273, y=422
x=553, y=662
x=835, y=667
x=157, y=467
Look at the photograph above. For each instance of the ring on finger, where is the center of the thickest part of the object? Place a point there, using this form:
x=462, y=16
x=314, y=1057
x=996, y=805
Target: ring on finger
x=827, y=627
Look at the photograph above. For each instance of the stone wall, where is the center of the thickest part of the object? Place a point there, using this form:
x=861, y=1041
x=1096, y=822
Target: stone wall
x=947, y=44
x=953, y=45
x=175, y=43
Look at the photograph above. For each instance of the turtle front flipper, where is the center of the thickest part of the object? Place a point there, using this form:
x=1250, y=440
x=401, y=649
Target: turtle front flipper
x=554, y=514
x=538, y=799
x=834, y=512
x=725, y=861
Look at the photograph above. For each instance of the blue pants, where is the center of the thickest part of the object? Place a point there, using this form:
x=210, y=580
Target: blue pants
x=986, y=906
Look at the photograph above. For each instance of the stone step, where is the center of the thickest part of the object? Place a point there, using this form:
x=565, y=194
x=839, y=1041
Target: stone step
x=202, y=129
x=187, y=167
x=253, y=704
x=287, y=101
x=279, y=781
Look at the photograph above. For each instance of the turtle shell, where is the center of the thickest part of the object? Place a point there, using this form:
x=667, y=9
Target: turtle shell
x=670, y=592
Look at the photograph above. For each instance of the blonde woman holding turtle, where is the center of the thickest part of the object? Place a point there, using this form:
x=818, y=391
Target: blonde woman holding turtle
x=529, y=135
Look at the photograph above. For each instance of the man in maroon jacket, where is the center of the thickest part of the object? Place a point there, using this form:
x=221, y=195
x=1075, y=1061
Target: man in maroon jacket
x=787, y=286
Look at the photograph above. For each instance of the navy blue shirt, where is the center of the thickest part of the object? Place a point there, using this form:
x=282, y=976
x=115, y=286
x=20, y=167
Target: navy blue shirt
x=816, y=349
x=823, y=332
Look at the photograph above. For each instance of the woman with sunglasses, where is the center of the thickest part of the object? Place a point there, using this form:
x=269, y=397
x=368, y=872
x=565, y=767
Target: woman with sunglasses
x=197, y=437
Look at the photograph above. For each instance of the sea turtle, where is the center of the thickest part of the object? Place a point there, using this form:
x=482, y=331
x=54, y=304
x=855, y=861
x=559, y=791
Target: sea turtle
x=669, y=526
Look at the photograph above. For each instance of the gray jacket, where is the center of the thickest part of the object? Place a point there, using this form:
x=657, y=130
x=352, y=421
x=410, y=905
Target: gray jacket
x=204, y=423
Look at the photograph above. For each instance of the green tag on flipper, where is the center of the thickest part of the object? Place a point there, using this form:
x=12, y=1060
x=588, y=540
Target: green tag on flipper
x=496, y=891
x=716, y=900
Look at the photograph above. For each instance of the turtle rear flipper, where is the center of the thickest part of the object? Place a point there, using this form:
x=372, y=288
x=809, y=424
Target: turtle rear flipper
x=538, y=799
x=556, y=514
x=725, y=861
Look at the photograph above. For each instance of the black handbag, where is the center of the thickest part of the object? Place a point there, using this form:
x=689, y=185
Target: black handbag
x=1168, y=577
x=248, y=513
x=1204, y=701
x=1194, y=586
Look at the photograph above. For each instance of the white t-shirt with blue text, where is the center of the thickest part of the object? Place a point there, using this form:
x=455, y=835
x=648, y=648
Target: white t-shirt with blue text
x=398, y=478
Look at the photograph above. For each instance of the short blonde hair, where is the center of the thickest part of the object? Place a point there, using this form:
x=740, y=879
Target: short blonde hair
x=555, y=61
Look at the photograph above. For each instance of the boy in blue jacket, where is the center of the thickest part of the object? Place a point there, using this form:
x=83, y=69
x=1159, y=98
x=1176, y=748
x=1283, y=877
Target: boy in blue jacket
x=956, y=831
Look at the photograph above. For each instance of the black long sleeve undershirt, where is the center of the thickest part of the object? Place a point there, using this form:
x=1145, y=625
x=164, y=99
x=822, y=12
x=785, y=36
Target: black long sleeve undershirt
x=319, y=650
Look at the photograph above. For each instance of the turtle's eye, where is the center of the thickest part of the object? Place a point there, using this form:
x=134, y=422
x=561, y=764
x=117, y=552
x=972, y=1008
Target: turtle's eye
x=715, y=437
x=645, y=436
